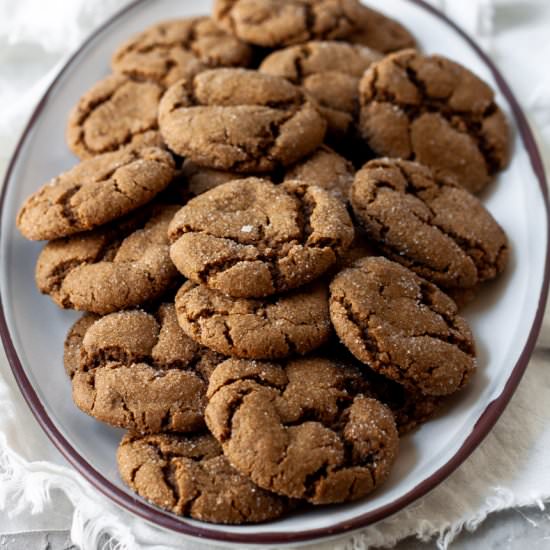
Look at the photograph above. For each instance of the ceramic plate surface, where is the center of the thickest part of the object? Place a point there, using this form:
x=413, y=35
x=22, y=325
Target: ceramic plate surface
x=505, y=320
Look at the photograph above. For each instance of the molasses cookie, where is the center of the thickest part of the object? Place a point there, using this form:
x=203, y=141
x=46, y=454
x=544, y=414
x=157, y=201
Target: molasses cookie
x=329, y=72
x=381, y=33
x=276, y=23
x=402, y=326
x=434, y=111
x=326, y=169
x=251, y=238
x=116, y=112
x=171, y=50
x=94, y=192
x=300, y=429
x=141, y=372
x=240, y=120
x=429, y=224
x=268, y=328
x=189, y=476
x=114, y=267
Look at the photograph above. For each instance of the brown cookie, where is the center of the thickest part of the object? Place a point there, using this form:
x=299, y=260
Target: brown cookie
x=402, y=326
x=300, y=429
x=94, y=192
x=329, y=72
x=272, y=328
x=380, y=32
x=171, y=50
x=434, y=111
x=251, y=238
x=116, y=112
x=240, y=120
x=189, y=476
x=326, y=169
x=276, y=23
x=115, y=267
x=141, y=372
x=429, y=224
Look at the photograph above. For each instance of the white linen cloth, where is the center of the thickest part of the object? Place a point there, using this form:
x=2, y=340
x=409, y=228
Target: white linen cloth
x=38, y=490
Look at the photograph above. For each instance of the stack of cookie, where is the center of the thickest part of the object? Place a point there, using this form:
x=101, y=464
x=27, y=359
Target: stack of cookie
x=270, y=220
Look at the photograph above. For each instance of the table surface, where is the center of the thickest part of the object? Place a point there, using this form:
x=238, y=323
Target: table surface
x=509, y=530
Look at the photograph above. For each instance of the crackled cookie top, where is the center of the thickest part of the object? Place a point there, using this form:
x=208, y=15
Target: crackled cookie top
x=239, y=120
x=171, y=50
x=402, y=326
x=431, y=225
x=116, y=112
x=329, y=72
x=326, y=169
x=434, y=111
x=381, y=33
x=276, y=23
x=252, y=238
x=118, y=266
x=94, y=192
x=268, y=328
x=189, y=476
x=301, y=429
x=140, y=371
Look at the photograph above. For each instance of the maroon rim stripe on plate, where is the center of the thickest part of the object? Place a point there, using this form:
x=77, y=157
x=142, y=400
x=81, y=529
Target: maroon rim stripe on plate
x=181, y=525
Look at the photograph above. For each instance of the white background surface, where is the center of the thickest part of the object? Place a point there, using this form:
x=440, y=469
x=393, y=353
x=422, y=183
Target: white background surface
x=518, y=42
